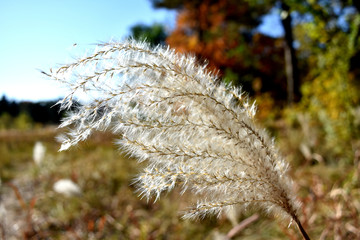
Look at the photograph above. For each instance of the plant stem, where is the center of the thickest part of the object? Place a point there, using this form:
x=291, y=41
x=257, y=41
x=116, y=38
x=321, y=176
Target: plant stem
x=302, y=230
x=235, y=230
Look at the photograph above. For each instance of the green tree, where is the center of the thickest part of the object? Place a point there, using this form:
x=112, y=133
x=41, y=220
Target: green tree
x=328, y=42
x=23, y=122
x=154, y=34
x=5, y=121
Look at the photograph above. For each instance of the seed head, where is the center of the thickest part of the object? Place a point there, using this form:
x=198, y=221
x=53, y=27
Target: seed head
x=191, y=130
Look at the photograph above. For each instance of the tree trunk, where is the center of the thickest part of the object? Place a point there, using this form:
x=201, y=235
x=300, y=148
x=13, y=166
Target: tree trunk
x=292, y=71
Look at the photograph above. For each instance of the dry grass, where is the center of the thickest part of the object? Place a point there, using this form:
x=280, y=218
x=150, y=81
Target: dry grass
x=190, y=128
x=109, y=208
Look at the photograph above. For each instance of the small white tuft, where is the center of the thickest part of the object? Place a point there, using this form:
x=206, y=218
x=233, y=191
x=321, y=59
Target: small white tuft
x=67, y=188
x=39, y=153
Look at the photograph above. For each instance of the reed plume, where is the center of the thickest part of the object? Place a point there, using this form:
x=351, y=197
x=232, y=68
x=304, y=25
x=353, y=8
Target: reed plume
x=192, y=130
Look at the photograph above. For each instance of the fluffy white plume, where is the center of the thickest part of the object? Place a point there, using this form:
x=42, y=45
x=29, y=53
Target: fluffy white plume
x=191, y=129
x=39, y=152
x=67, y=188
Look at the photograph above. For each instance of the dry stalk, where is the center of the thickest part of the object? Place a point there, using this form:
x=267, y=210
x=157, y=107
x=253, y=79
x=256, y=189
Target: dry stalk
x=192, y=131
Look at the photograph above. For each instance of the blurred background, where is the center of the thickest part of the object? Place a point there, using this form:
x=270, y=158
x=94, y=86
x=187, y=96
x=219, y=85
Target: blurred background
x=300, y=61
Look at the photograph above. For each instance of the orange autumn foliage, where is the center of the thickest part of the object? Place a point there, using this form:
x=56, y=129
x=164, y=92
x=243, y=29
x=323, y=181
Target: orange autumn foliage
x=202, y=31
x=222, y=32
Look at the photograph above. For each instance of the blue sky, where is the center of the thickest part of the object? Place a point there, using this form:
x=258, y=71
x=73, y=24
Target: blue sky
x=40, y=34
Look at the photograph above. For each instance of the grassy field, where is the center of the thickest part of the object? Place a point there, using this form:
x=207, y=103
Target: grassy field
x=109, y=207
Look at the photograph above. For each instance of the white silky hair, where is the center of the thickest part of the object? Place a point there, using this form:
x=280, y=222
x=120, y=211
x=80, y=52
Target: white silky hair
x=191, y=129
x=67, y=188
x=39, y=153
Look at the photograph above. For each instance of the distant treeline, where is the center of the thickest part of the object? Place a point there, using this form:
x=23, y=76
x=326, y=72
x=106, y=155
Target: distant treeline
x=44, y=112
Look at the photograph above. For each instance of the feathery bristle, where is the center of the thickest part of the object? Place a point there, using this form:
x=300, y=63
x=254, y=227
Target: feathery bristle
x=192, y=130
